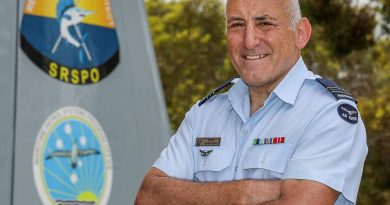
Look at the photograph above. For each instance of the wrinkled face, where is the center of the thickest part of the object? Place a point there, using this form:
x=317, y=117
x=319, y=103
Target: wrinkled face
x=261, y=44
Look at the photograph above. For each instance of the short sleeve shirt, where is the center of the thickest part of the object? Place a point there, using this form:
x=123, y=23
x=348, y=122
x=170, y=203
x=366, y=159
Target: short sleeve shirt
x=299, y=133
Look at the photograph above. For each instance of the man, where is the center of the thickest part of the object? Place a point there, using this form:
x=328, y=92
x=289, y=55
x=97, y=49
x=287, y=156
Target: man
x=281, y=135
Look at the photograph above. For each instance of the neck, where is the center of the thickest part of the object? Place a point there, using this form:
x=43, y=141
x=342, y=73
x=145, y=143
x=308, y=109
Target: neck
x=258, y=96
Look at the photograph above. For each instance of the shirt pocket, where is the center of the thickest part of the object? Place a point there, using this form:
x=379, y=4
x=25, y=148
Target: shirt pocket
x=266, y=161
x=215, y=166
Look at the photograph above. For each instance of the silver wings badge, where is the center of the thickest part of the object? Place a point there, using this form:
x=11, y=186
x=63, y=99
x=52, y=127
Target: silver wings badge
x=205, y=153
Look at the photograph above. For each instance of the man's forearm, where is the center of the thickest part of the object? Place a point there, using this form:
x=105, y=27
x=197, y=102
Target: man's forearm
x=165, y=190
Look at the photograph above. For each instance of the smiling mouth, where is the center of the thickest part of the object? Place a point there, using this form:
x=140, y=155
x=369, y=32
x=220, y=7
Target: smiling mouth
x=254, y=57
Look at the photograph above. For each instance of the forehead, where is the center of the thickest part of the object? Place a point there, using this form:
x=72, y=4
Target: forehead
x=251, y=8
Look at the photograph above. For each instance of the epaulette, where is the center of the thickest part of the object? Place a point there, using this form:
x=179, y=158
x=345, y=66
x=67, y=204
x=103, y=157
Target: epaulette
x=231, y=81
x=336, y=90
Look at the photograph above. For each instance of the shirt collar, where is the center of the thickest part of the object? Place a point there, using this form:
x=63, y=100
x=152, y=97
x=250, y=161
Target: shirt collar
x=238, y=96
x=288, y=89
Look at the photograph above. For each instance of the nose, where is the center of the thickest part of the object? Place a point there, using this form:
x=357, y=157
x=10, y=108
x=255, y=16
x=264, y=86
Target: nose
x=251, y=36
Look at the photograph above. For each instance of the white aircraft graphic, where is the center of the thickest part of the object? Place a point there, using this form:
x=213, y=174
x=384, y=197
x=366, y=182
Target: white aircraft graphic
x=70, y=16
x=73, y=154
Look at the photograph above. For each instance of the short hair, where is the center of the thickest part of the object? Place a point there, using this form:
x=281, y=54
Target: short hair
x=294, y=11
x=292, y=8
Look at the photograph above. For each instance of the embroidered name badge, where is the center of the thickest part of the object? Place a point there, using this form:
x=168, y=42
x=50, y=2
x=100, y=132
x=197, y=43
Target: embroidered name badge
x=212, y=141
x=272, y=140
x=348, y=113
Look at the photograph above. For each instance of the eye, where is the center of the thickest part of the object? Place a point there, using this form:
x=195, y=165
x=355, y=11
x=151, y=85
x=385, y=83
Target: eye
x=265, y=25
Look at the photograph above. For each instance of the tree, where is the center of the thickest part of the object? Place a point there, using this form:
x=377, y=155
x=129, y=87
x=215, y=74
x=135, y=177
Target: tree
x=344, y=28
x=383, y=7
x=188, y=37
x=375, y=110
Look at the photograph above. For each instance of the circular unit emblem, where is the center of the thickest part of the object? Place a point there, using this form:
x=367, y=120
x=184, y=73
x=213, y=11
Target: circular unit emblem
x=74, y=41
x=72, y=161
x=348, y=113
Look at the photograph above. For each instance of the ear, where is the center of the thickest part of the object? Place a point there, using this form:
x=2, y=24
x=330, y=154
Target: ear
x=304, y=33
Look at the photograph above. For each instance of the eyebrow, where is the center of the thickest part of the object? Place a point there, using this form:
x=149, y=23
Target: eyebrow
x=264, y=17
x=257, y=18
x=234, y=18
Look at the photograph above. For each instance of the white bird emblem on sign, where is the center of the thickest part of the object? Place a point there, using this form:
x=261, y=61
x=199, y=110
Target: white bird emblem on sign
x=73, y=154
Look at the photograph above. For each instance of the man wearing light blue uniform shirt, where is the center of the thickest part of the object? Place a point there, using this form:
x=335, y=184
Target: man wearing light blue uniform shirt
x=280, y=135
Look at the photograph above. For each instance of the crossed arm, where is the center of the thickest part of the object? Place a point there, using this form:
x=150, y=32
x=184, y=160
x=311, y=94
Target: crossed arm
x=159, y=188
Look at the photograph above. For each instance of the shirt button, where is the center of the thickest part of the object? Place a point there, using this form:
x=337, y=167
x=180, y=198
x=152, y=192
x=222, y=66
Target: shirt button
x=246, y=131
x=262, y=160
x=204, y=163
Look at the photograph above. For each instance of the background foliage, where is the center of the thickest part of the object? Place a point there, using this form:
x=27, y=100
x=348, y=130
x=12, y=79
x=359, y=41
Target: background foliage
x=189, y=39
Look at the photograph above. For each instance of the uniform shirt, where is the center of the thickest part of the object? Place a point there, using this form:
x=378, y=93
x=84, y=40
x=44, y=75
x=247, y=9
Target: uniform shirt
x=310, y=139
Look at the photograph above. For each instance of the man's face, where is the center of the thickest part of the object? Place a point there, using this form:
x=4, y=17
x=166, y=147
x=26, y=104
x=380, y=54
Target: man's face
x=261, y=44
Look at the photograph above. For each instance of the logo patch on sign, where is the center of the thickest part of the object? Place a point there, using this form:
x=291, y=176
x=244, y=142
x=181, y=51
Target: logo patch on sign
x=72, y=161
x=74, y=41
x=348, y=113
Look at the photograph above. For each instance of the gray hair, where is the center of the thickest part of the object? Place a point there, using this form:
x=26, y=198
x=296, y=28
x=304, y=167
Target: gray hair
x=294, y=10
